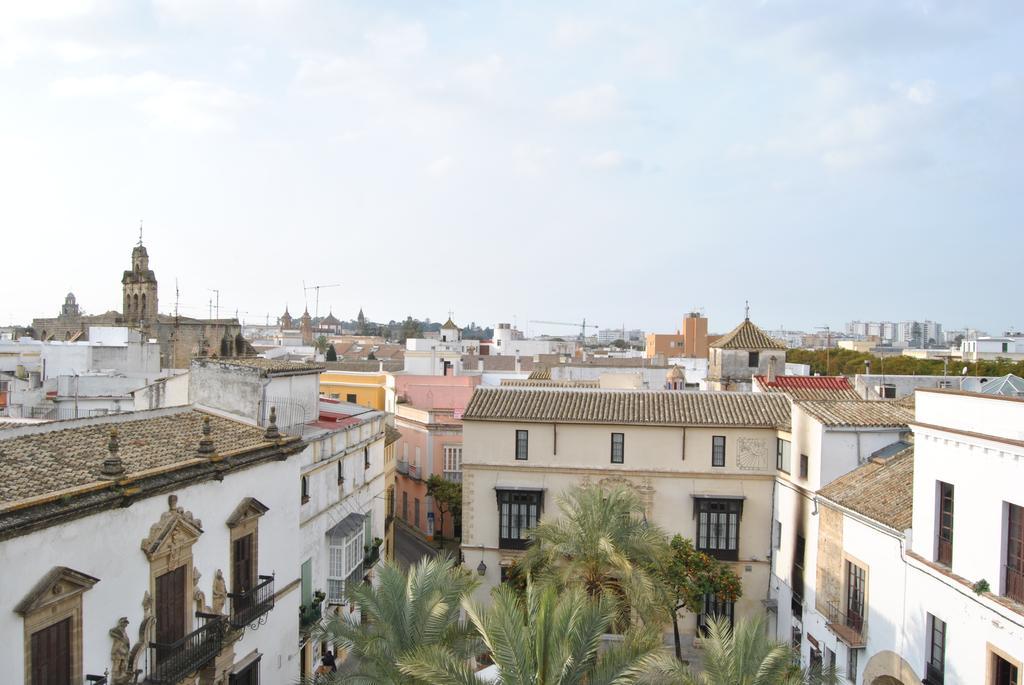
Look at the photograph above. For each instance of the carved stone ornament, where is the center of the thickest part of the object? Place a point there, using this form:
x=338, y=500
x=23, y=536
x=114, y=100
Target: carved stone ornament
x=220, y=592
x=176, y=530
x=752, y=454
x=120, y=654
x=61, y=582
x=197, y=593
x=146, y=635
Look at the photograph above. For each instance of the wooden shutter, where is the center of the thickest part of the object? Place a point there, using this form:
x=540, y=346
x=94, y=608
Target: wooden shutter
x=170, y=608
x=51, y=654
x=242, y=575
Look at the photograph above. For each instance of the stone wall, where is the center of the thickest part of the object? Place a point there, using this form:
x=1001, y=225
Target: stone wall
x=830, y=559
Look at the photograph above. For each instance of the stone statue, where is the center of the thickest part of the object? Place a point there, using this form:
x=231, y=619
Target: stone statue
x=197, y=594
x=119, y=653
x=220, y=592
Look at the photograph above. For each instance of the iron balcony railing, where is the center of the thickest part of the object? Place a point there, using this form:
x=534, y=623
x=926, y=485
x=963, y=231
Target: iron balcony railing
x=453, y=476
x=171, y=662
x=402, y=466
x=414, y=471
x=850, y=627
x=247, y=607
x=1014, y=583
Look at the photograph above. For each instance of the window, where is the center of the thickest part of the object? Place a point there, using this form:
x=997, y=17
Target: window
x=405, y=506
x=1014, y=586
x=944, y=554
x=855, y=596
x=351, y=398
x=51, y=654
x=887, y=391
x=851, y=664
x=782, y=454
x=804, y=466
x=522, y=445
x=752, y=359
x=618, y=448
x=799, y=556
x=243, y=570
x=346, y=558
x=366, y=458
x=935, y=669
x=305, y=489
x=830, y=659
x=248, y=674
x=718, y=450
x=777, y=534
x=518, y=514
x=416, y=511
x=341, y=472
x=718, y=527
x=713, y=608
x=453, y=463
x=1004, y=672
x=171, y=610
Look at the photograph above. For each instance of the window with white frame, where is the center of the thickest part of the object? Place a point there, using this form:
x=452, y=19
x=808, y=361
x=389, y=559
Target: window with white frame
x=453, y=462
x=345, y=558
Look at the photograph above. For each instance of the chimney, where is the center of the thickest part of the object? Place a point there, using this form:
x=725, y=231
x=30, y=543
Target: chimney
x=519, y=365
x=771, y=369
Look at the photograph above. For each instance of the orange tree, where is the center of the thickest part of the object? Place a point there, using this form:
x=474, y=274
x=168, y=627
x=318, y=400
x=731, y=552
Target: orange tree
x=688, y=575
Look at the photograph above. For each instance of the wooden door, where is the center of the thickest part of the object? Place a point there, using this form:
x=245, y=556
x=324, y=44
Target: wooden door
x=242, y=571
x=51, y=654
x=170, y=609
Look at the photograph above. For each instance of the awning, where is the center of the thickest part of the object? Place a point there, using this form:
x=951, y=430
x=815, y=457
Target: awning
x=352, y=523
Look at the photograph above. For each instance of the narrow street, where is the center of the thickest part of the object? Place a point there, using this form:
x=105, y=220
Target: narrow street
x=410, y=547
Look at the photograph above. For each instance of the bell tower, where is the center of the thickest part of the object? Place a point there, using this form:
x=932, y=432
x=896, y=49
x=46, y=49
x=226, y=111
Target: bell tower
x=139, y=288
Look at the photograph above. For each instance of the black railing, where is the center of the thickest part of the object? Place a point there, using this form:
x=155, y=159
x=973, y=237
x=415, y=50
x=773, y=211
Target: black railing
x=170, y=662
x=247, y=607
x=372, y=555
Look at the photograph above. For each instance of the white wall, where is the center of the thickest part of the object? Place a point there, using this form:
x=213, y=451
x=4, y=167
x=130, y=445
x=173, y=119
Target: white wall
x=106, y=545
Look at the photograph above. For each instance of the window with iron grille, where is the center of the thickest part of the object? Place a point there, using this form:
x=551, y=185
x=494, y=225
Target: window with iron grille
x=714, y=607
x=518, y=514
x=522, y=445
x=718, y=450
x=1014, y=585
x=618, y=448
x=944, y=553
x=718, y=527
x=935, y=670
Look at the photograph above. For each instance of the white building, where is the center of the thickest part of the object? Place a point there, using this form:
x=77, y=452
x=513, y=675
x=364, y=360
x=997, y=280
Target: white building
x=919, y=563
x=988, y=347
x=166, y=547
x=510, y=342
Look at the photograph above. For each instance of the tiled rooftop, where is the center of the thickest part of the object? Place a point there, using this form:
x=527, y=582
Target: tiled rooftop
x=562, y=383
x=46, y=458
x=661, y=407
x=747, y=336
x=882, y=490
x=858, y=413
x=268, y=366
x=810, y=387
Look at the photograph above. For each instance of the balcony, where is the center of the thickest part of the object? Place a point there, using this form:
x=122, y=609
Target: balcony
x=171, y=662
x=402, y=466
x=1014, y=588
x=851, y=628
x=453, y=476
x=248, y=607
x=414, y=471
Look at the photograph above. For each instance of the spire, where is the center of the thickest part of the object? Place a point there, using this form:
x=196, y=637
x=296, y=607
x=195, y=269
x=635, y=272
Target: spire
x=112, y=468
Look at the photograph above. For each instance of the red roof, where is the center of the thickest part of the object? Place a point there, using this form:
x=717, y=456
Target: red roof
x=810, y=387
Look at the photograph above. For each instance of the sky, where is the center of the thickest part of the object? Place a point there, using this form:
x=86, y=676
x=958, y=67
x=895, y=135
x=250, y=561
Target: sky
x=516, y=161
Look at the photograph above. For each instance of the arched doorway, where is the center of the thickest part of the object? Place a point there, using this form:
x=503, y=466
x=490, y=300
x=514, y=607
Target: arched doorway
x=886, y=680
x=889, y=668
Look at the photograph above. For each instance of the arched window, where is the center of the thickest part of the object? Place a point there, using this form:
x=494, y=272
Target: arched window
x=135, y=304
x=142, y=314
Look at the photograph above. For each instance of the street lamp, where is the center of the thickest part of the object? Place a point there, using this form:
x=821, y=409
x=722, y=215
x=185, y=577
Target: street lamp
x=481, y=568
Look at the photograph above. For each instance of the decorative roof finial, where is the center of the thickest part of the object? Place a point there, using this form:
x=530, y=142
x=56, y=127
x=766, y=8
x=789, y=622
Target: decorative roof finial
x=272, y=433
x=746, y=315
x=112, y=467
x=140, y=232
x=206, y=442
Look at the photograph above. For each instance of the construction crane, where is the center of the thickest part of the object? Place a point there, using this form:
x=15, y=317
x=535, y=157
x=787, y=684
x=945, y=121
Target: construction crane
x=316, y=306
x=582, y=326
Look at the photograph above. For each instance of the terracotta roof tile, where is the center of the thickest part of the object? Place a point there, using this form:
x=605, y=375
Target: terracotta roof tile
x=859, y=413
x=882, y=490
x=266, y=366
x=810, y=387
x=747, y=336
x=660, y=407
x=45, y=458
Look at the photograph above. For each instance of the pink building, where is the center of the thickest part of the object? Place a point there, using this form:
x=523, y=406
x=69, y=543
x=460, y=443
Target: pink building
x=429, y=416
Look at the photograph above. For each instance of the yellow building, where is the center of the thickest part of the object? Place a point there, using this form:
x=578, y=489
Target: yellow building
x=374, y=389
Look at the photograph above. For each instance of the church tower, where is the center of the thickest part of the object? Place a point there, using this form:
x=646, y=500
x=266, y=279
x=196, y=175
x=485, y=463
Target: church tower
x=140, y=290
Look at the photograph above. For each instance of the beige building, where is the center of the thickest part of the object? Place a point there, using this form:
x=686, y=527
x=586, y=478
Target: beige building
x=702, y=463
x=739, y=355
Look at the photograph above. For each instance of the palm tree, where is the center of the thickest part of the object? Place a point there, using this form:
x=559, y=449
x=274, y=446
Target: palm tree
x=603, y=542
x=403, y=613
x=320, y=344
x=744, y=655
x=546, y=637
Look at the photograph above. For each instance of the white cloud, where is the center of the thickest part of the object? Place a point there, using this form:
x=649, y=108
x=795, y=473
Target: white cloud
x=921, y=93
x=596, y=102
x=614, y=160
x=166, y=101
x=397, y=42
x=441, y=166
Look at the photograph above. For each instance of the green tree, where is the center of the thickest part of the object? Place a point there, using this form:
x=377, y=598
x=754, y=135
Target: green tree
x=447, y=497
x=411, y=328
x=688, y=575
x=320, y=344
x=603, y=542
x=332, y=354
x=545, y=637
x=620, y=343
x=744, y=655
x=403, y=613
